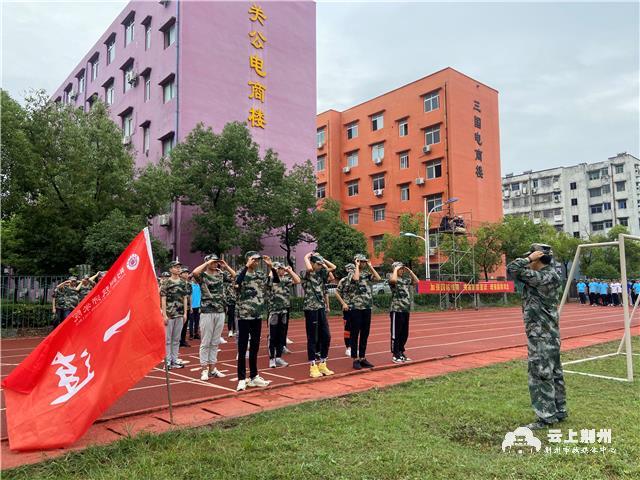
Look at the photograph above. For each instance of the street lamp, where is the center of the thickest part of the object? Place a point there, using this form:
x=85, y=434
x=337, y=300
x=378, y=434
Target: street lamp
x=427, y=269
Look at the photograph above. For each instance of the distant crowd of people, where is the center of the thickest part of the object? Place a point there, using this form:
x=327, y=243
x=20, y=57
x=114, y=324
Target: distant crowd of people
x=68, y=294
x=606, y=293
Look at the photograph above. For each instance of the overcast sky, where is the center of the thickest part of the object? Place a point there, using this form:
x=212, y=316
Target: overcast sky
x=568, y=74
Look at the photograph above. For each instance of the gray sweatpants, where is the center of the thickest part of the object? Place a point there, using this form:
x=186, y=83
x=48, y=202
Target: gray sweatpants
x=211, y=325
x=172, y=334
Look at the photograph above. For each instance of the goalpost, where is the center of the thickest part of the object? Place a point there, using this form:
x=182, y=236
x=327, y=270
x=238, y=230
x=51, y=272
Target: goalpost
x=625, y=342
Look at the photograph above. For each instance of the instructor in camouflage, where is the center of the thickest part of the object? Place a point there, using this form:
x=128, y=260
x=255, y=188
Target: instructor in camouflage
x=402, y=282
x=541, y=286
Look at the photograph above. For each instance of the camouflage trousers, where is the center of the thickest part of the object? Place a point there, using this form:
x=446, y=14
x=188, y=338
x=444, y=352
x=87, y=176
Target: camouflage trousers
x=546, y=380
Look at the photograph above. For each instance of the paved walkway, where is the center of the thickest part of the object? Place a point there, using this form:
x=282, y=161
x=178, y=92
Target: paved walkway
x=254, y=401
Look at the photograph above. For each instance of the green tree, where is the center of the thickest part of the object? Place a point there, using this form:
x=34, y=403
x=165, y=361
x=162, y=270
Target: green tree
x=564, y=248
x=407, y=250
x=518, y=233
x=488, y=248
x=336, y=240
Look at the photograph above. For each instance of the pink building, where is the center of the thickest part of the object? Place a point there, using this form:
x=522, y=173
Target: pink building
x=165, y=66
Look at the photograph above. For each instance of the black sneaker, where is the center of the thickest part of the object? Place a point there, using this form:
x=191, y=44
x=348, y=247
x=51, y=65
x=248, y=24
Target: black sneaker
x=357, y=365
x=397, y=360
x=176, y=365
x=562, y=416
x=405, y=358
x=365, y=363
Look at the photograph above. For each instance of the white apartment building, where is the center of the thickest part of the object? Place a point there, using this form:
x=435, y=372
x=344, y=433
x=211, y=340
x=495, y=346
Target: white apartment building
x=582, y=199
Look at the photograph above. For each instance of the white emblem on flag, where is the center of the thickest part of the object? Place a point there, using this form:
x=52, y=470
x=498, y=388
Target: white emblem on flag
x=133, y=261
x=113, y=329
x=67, y=374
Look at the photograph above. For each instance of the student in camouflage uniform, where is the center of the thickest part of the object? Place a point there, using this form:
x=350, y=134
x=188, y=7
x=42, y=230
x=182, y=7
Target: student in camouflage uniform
x=359, y=282
x=403, y=283
x=184, y=275
x=316, y=306
x=279, y=303
x=86, y=285
x=230, y=307
x=344, y=294
x=252, y=287
x=211, y=278
x=65, y=299
x=173, y=299
x=540, y=296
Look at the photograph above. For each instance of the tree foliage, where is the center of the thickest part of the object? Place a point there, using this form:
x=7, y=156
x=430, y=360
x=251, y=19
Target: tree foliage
x=488, y=248
x=407, y=250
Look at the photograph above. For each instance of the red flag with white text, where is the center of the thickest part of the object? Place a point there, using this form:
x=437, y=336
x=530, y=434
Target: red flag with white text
x=109, y=343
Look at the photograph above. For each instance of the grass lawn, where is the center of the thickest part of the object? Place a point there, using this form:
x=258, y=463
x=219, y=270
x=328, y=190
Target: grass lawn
x=447, y=427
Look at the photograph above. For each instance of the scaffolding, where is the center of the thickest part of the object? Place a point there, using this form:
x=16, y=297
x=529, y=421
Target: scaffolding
x=455, y=256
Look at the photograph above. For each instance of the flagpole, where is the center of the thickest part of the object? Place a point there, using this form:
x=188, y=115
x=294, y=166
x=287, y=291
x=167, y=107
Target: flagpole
x=147, y=237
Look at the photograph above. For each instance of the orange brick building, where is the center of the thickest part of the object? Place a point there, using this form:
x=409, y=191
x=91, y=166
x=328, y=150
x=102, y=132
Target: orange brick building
x=437, y=137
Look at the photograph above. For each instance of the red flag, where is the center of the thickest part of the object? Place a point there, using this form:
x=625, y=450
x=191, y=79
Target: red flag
x=109, y=342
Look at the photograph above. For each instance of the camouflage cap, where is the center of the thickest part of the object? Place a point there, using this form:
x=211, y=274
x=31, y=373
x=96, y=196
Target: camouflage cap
x=73, y=278
x=360, y=258
x=252, y=254
x=211, y=256
x=165, y=274
x=278, y=265
x=175, y=263
x=395, y=265
x=349, y=267
x=539, y=247
x=185, y=270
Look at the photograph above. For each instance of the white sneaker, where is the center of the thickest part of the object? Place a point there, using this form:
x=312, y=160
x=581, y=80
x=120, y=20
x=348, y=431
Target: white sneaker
x=347, y=352
x=289, y=341
x=280, y=362
x=204, y=376
x=230, y=334
x=216, y=373
x=285, y=350
x=258, y=381
x=222, y=340
x=177, y=361
x=272, y=363
x=242, y=385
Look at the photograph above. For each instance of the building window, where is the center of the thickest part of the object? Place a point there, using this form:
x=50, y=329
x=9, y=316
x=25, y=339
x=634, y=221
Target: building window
x=403, y=128
x=597, y=226
x=109, y=93
x=620, y=186
x=352, y=188
x=622, y=204
x=606, y=189
x=81, y=83
x=377, y=152
x=147, y=88
x=593, y=174
x=128, y=32
x=515, y=186
x=168, y=90
x=595, y=192
x=576, y=234
x=320, y=163
x=434, y=169
x=432, y=135
x=352, y=131
x=321, y=190
x=128, y=78
x=352, y=159
x=377, y=242
x=147, y=36
x=95, y=66
x=377, y=122
x=404, y=192
x=127, y=124
x=320, y=137
x=573, y=186
x=431, y=101
x=167, y=145
x=91, y=100
x=434, y=202
x=354, y=217
x=169, y=33
x=606, y=206
x=404, y=160
x=597, y=208
x=623, y=221
x=378, y=213
x=111, y=50
x=575, y=218
x=619, y=168
x=378, y=182
x=146, y=138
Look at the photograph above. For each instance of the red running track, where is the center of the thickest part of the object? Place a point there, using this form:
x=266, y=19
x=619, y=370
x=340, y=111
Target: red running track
x=432, y=335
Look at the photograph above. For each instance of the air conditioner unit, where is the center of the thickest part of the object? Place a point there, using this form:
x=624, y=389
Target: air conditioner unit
x=506, y=193
x=533, y=190
x=420, y=181
x=73, y=95
x=320, y=144
x=426, y=149
x=346, y=169
x=524, y=190
x=163, y=2
x=164, y=220
x=126, y=140
x=132, y=78
x=556, y=199
x=557, y=218
x=536, y=221
x=378, y=192
x=517, y=193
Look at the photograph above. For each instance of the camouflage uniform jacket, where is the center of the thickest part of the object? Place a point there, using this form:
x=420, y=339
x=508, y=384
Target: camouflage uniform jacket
x=540, y=295
x=401, y=294
x=314, y=289
x=85, y=289
x=67, y=298
x=212, y=287
x=229, y=290
x=280, y=296
x=345, y=292
x=175, y=291
x=251, y=294
x=362, y=297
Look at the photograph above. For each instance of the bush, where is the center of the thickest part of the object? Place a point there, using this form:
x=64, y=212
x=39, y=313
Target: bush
x=25, y=315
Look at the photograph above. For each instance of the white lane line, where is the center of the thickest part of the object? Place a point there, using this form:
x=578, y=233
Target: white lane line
x=196, y=381
x=268, y=372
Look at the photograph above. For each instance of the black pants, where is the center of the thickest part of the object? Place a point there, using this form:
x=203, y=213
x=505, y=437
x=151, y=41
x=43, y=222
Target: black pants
x=318, y=335
x=231, y=317
x=346, y=317
x=603, y=299
x=248, y=327
x=583, y=298
x=633, y=297
x=194, y=323
x=61, y=314
x=286, y=327
x=277, y=337
x=593, y=299
x=360, y=326
x=615, y=298
x=399, y=332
